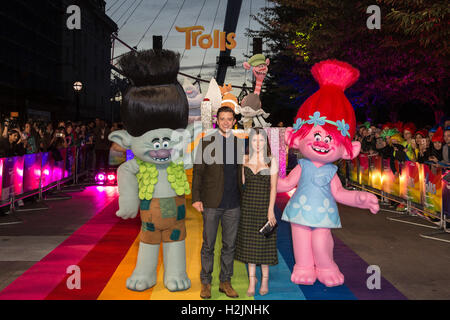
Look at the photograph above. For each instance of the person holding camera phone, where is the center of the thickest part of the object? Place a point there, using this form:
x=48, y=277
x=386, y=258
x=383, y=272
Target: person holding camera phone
x=260, y=176
x=422, y=150
x=58, y=142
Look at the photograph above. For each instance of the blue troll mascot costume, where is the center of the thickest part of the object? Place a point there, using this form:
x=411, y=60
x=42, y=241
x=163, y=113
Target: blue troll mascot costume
x=155, y=113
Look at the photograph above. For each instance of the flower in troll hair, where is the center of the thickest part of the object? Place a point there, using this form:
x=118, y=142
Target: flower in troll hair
x=343, y=127
x=316, y=119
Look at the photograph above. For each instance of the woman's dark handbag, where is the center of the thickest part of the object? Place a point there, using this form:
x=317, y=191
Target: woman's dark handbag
x=267, y=229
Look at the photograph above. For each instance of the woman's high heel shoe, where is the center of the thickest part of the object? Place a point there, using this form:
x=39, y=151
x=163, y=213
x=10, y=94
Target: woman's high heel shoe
x=264, y=292
x=252, y=293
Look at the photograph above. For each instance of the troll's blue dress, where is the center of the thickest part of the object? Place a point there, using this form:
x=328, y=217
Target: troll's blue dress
x=312, y=204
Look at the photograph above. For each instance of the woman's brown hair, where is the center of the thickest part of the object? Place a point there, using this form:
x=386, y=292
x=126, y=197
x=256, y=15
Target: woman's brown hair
x=267, y=151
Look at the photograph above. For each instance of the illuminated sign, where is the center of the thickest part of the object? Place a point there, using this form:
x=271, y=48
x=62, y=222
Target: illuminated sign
x=220, y=40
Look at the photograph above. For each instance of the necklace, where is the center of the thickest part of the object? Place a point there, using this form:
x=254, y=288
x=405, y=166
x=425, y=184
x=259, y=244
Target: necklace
x=148, y=177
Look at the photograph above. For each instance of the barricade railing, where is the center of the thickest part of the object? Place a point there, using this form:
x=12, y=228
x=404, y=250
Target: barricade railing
x=421, y=188
x=35, y=174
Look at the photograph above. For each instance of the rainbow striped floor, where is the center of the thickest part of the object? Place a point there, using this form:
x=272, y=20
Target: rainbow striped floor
x=105, y=249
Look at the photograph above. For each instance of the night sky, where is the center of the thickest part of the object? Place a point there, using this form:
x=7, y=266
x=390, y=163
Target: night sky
x=131, y=31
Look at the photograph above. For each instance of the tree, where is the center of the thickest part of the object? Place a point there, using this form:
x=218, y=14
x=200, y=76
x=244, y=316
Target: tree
x=405, y=60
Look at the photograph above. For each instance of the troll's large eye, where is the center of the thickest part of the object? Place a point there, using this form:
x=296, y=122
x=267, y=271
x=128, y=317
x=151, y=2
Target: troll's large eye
x=327, y=139
x=317, y=137
x=165, y=144
x=156, y=145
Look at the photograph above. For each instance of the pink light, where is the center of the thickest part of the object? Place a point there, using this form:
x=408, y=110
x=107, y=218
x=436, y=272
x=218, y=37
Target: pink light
x=100, y=189
x=46, y=172
x=111, y=177
x=101, y=177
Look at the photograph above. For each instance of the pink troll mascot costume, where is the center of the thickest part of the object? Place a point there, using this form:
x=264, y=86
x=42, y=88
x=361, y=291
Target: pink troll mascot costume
x=323, y=132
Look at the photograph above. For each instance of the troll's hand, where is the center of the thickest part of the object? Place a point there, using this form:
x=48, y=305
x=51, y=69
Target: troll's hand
x=367, y=200
x=128, y=208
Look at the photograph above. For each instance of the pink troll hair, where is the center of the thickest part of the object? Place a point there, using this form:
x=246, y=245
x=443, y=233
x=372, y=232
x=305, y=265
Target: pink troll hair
x=335, y=72
x=330, y=101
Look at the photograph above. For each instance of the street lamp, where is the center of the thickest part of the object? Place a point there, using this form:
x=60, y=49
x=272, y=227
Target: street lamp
x=77, y=86
x=118, y=99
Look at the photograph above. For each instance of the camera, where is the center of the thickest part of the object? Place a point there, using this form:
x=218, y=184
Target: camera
x=10, y=123
x=59, y=135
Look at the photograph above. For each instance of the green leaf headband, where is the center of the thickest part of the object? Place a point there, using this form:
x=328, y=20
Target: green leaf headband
x=316, y=119
x=388, y=133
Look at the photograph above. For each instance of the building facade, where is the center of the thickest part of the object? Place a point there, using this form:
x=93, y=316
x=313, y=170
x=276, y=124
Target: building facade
x=40, y=59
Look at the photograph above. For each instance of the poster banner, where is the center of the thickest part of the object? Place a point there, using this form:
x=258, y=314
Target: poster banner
x=413, y=182
x=376, y=171
x=403, y=180
x=396, y=191
x=1, y=176
x=343, y=169
x=353, y=170
x=47, y=169
x=7, y=178
x=18, y=175
x=446, y=194
x=387, y=177
x=59, y=166
x=70, y=161
x=278, y=148
x=433, y=189
x=364, y=169
x=31, y=171
x=284, y=152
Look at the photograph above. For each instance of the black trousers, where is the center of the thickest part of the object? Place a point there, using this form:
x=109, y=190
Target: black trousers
x=229, y=220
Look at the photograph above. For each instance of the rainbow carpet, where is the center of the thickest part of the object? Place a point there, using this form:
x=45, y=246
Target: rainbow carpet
x=105, y=249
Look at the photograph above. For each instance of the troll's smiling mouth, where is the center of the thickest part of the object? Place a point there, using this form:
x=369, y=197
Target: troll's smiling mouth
x=161, y=159
x=320, y=150
x=160, y=155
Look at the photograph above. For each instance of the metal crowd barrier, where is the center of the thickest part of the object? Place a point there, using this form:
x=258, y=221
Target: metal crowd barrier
x=38, y=173
x=421, y=188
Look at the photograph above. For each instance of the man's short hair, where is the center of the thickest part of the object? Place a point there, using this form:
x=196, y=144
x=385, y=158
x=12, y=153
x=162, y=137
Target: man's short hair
x=226, y=109
x=13, y=131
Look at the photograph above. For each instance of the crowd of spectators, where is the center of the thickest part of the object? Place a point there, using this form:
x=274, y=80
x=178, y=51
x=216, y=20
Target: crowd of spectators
x=20, y=138
x=404, y=142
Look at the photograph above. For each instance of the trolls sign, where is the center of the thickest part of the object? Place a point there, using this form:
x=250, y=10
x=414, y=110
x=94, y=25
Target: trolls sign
x=219, y=39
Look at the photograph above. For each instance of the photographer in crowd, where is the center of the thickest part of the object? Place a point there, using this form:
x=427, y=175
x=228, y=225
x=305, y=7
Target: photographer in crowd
x=12, y=145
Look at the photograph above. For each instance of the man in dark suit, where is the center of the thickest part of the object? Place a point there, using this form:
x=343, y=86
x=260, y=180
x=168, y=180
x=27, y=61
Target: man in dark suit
x=216, y=192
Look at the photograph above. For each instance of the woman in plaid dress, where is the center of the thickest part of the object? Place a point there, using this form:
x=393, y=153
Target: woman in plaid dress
x=259, y=176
